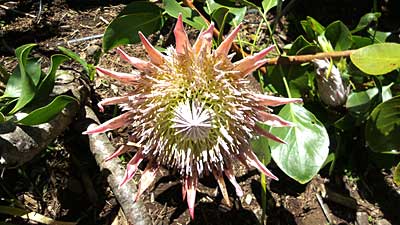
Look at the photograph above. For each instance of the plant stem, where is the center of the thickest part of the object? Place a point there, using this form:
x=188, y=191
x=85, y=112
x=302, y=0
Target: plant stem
x=298, y=59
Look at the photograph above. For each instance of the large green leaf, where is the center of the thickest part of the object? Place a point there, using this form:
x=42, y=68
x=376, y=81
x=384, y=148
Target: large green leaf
x=377, y=59
x=382, y=130
x=138, y=16
x=48, y=112
x=362, y=99
x=269, y=4
x=26, y=83
x=307, y=144
x=312, y=27
x=236, y=13
x=173, y=8
x=47, y=84
x=259, y=145
x=339, y=36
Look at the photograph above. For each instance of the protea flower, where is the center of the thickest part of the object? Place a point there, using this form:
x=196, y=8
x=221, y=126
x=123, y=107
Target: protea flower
x=192, y=110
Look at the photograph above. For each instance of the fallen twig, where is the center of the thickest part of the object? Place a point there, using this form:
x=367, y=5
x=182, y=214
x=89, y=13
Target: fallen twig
x=324, y=208
x=101, y=148
x=17, y=11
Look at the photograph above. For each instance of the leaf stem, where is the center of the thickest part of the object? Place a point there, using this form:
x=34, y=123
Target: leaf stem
x=286, y=86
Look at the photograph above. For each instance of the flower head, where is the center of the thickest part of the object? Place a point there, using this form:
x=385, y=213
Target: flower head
x=192, y=110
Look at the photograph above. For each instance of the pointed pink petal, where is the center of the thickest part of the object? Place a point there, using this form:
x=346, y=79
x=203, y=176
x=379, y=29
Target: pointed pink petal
x=221, y=183
x=232, y=179
x=121, y=150
x=155, y=56
x=275, y=101
x=191, y=185
x=267, y=134
x=272, y=119
x=147, y=178
x=252, y=68
x=225, y=46
x=250, y=62
x=111, y=124
x=253, y=161
x=111, y=101
x=132, y=167
x=126, y=77
x=181, y=38
x=136, y=62
x=204, y=39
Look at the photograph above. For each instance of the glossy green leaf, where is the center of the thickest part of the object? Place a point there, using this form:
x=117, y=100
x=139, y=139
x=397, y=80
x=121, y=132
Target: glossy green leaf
x=173, y=8
x=269, y=4
x=48, y=112
x=366, y=20
x=236, y=14
x=382, y=130
x=312, y=27
x=26, y=83
x=260, y=146
x=360, y=41
x=33, y=69
x=379, y=36
x=13, y=87
x=339, y=36
x=298, y=44
x=357, y=99
x=307, y=144
x=138, y=16
x=396, y=175
x=47, y=84
x=377, y=59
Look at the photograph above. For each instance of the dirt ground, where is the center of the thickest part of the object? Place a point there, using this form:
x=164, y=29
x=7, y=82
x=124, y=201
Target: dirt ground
x=65, y=183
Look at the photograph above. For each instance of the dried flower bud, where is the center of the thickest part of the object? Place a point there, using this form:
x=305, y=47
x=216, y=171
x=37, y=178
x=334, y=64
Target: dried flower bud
x=330, y=86
x=192, y=110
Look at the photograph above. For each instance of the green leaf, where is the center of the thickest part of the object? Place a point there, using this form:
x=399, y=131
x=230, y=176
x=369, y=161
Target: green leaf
x=359, y=41
x=377, y=59
x=89, y=68
x=269, y=4
x=236, y=14
x=379, y=36
x=382, y=130
x=26, y=83
x=366, y=20
x=259, y=145
x=361, y=98
x=47, y=84
x=396, y=175
x=339, y=36
x=312, y=27
x=190, y=17
x=137, y=16
x=33, y=69
x=307, y=144
x=2, y=118
x=48, y=112
x=13, y=87
x=298, y=44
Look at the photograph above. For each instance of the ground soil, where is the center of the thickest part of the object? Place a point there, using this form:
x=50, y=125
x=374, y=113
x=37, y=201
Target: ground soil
x=64, y=182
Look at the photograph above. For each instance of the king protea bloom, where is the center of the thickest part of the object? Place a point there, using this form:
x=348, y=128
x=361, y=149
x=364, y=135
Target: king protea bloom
x=192, y=110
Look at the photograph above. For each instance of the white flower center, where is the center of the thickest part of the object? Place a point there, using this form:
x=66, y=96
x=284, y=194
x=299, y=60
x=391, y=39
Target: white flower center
x=193, y=121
